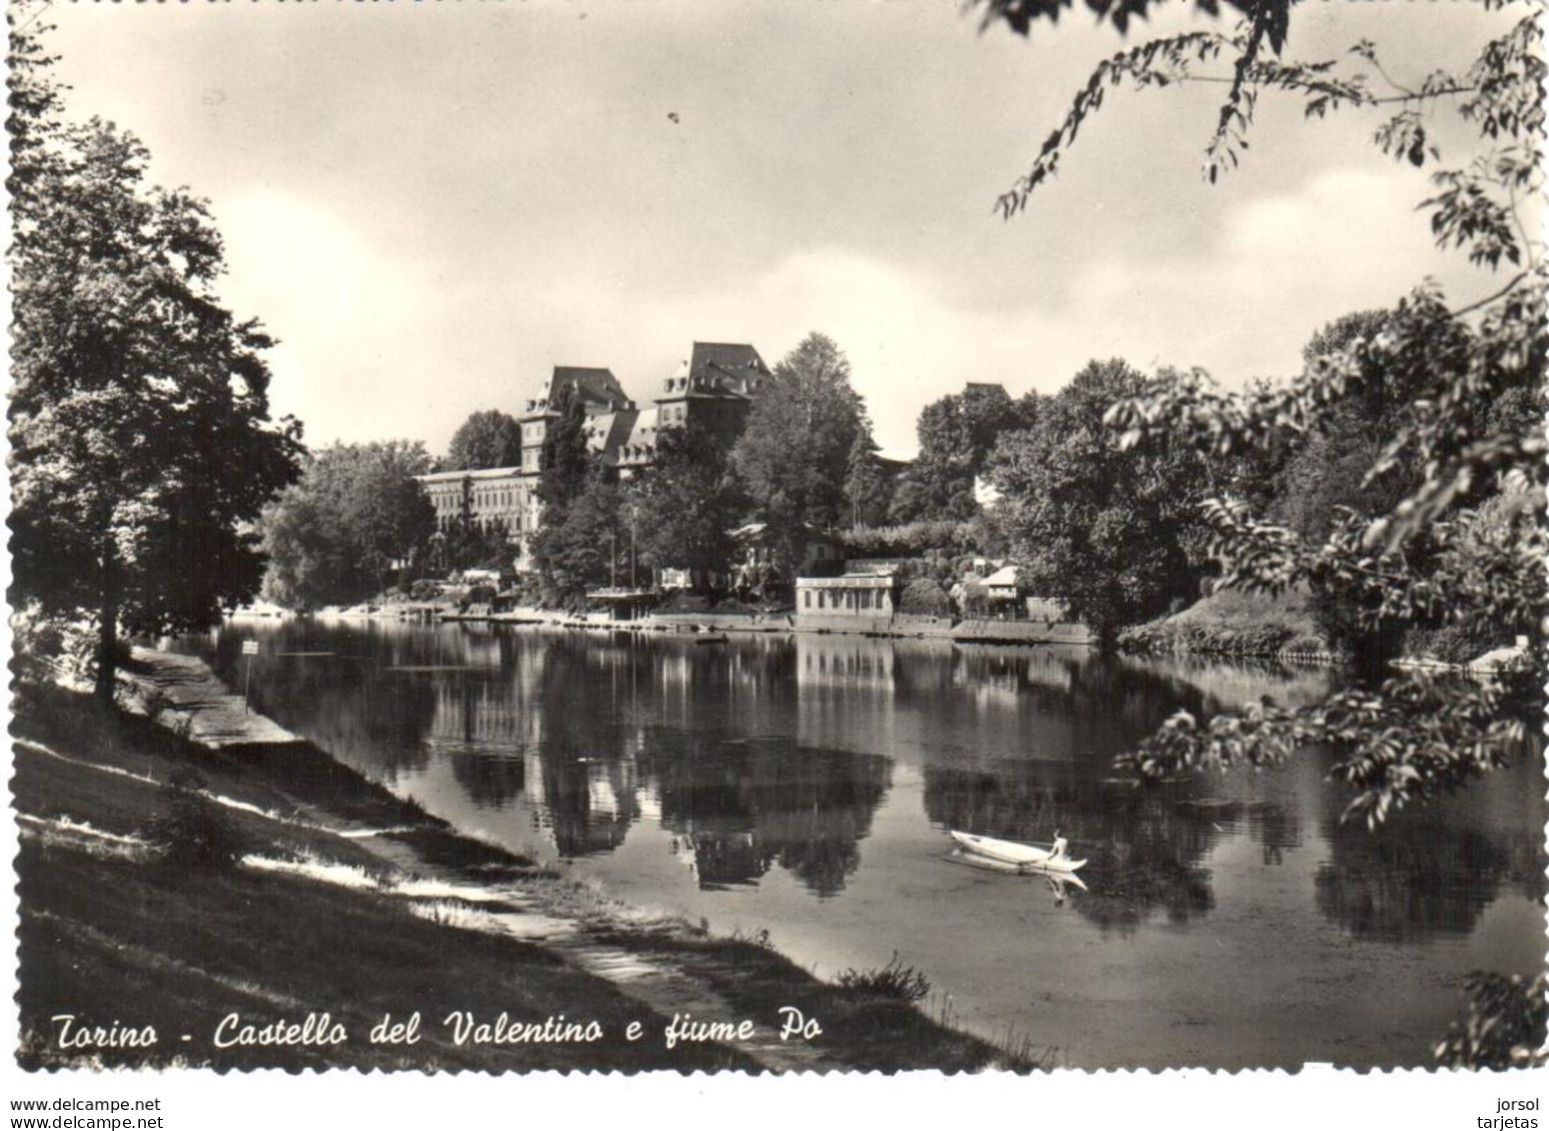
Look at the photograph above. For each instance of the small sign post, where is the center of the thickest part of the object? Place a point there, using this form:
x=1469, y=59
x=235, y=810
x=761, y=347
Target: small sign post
x=249, y=649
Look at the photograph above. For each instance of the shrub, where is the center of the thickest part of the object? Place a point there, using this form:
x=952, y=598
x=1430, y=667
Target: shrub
x=909, y=540
x=895, y=981
x=46, y=646
x=924, y=595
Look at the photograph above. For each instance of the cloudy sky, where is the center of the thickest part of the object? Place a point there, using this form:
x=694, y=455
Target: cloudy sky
x=432, y=204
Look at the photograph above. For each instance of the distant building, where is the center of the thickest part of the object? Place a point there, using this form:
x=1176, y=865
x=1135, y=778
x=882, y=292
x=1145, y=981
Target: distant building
x=848, y=603
x=712, y=390
x=480, y=499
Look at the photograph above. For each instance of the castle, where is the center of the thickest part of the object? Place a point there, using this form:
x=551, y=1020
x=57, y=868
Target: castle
x=711, y=391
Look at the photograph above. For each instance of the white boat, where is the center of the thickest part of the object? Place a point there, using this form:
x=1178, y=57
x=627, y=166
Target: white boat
x=1022, y=855
x=1058, y=881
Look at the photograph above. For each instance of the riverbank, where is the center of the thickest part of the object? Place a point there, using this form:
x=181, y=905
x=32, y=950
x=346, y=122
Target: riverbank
x=241, y=899
x=1235, y=624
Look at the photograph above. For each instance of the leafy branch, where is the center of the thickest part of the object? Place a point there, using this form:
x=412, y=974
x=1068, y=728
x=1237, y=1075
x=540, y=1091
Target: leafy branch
x=1417, y=737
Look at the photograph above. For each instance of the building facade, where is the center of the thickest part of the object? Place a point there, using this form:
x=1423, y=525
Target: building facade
x=712, y=390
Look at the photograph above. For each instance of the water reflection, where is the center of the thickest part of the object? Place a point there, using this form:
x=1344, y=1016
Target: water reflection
x=1144, y=853
x=805, y=784
x=1433, y=871
x=590, y=734
x=742, y=806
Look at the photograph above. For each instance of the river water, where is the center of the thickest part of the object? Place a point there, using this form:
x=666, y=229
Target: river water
x=803, y=786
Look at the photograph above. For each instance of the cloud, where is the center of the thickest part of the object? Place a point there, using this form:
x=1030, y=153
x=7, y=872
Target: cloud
x=376, y=344
x=348, y=315
x=1240, y=305
x=1280, y=267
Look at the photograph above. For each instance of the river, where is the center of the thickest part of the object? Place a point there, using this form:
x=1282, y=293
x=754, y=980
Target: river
x=803, y=785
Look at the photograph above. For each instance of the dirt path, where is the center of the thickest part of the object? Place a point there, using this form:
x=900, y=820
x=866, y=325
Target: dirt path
x=215, y=717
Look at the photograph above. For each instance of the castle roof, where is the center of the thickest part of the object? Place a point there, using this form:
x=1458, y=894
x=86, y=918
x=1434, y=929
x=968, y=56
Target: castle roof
x=598, y=389
x=607, y=432
x=724, y=369
x=640, y=443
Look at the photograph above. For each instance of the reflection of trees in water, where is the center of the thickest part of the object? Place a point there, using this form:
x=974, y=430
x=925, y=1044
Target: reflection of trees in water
x=1433, y=870
x=1143, y=850
x=1091, y=695
x=493, y=781
x=371, y=719
x=744, y=806
x=1275, y=827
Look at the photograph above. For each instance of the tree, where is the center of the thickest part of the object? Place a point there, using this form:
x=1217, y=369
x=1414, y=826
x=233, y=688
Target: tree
x=1463, y=544
x=580, y=511
x=1110, y=531
x=142, y=446
x=566, y=467
x=956, y=434
x=333, y=536
x=682, y=511
x=490, y=438
x=578, y=546
x=868, y=489
x=794, y=453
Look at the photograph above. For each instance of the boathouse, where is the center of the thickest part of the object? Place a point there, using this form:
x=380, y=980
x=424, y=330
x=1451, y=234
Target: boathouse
x=852, y=602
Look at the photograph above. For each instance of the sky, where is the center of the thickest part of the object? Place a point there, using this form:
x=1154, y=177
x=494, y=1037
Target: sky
x=432, y=204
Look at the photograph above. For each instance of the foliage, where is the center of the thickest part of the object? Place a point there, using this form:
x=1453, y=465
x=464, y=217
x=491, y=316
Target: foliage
x=1109, y=530
x=566, y=467
x=142, y=447
x=1229, y=622
x=47, y=646
x=868, y=489
x=490, y=438
x=911, y=539
x=472, y=545
x=1459, y=541
x=578, y=547
x=956, y=435
x=925, y=596
x=1451, y=643
x=1320, y=476
x=795, y=451
x=1020, y=15
x=195, y=832
x=894, y=981
x=332, y=537
x=1506, y=1027
x=682, y=511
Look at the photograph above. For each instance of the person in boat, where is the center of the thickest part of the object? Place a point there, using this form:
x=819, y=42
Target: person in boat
x=1058, y=851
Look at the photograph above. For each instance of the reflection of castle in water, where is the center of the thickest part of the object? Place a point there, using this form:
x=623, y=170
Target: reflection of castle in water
x=742, y=806
x=586, y=740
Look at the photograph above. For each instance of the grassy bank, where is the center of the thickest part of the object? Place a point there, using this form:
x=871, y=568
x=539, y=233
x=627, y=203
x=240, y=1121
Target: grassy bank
x=1231, y=623
x=167, y=885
